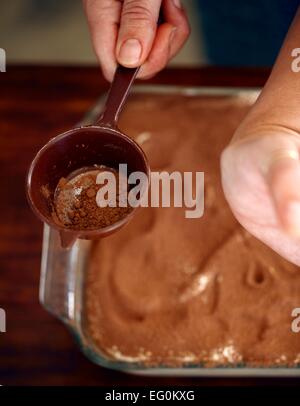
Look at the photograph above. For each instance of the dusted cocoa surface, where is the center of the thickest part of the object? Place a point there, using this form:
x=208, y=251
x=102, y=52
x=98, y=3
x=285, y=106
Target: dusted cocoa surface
x=170, y=290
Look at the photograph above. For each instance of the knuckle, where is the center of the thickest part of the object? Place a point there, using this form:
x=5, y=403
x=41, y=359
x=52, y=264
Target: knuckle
x=136, y=11
x=186, y=30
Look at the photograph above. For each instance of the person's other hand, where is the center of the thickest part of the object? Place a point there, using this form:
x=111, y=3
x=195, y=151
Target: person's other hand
x=261, y=181
x=126, y=32
x=261, y=166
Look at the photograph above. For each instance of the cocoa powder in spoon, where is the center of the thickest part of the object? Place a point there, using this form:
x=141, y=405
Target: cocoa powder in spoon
x=76, y=205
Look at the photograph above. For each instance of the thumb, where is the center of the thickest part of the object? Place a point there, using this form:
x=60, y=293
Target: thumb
x=284, y=182
x=137, y=31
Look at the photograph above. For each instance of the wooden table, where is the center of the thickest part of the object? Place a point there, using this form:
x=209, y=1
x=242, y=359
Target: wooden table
x=37, y=103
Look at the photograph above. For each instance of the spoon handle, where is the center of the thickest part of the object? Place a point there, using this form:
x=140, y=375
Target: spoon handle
x=117, y=95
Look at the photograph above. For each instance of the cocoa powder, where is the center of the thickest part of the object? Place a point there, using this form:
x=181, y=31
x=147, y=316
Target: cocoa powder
x=76, y=206
x=172, y=291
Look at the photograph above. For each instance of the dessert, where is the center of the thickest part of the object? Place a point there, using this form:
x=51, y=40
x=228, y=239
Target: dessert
x=167, y=290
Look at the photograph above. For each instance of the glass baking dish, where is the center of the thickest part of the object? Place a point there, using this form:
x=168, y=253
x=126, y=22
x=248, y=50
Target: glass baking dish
x=63, y=271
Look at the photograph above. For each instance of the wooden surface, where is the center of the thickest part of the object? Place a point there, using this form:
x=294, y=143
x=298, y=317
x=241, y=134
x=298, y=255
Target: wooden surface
x=37, y=103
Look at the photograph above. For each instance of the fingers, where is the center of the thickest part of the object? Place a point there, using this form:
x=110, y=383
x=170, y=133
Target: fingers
x=170, y=37
x=137, y=31
x=103, y=18
x=127, y=33
x=160, y=54
x=261, y=180
x=175, y=15
x=284, y=181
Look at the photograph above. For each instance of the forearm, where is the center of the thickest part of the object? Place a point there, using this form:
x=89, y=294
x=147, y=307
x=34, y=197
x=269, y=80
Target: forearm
x=279, y=103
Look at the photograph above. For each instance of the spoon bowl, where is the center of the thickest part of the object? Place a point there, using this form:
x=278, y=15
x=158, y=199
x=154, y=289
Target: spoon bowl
x=86, y=147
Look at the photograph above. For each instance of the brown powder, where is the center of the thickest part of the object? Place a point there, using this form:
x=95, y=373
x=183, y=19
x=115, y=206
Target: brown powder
x=76, y=206
x=173, y=291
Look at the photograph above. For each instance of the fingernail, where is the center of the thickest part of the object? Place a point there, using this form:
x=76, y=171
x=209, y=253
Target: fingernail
x=293, y=217
x=177, y=3
x=130, y=52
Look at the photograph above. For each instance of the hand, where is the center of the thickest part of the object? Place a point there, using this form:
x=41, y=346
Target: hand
x=261, y=181
x=261, y=166
x=126, y=32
